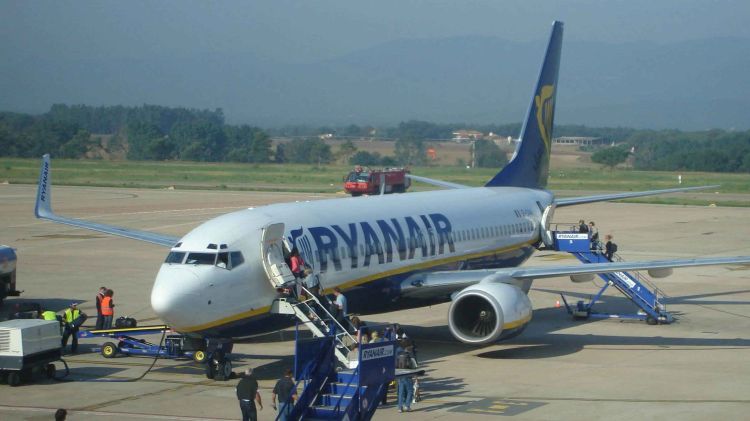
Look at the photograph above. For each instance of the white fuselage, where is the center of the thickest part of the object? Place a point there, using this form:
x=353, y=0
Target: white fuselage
x=358, y=244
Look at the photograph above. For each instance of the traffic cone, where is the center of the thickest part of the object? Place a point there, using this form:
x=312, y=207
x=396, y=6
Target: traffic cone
x=557, y=303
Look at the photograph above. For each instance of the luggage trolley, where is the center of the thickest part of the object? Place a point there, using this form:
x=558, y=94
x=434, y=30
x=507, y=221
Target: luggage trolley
x=175, y=345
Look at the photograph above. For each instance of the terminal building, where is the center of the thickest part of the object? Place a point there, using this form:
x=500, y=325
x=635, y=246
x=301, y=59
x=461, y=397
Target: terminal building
x=580, y=141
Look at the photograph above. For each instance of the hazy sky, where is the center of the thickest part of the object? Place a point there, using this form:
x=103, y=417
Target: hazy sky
x=302, y=30
x=335, y=62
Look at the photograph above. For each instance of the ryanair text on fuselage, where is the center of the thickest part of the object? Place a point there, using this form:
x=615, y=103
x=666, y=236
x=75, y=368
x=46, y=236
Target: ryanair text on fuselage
x=408, y=237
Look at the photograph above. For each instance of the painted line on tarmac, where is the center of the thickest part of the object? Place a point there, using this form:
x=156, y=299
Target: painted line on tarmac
x=111, y=414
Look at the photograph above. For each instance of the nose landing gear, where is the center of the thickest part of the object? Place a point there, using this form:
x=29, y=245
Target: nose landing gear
x=218, y=362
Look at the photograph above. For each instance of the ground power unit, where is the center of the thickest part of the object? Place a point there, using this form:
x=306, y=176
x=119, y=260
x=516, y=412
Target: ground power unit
x=28, y=346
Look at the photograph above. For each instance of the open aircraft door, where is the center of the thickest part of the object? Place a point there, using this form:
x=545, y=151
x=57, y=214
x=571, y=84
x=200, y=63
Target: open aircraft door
x=272, y=255
x=547, y=215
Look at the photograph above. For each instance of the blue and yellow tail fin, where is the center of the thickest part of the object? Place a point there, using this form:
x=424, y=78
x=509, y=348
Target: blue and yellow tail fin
x=529, y=165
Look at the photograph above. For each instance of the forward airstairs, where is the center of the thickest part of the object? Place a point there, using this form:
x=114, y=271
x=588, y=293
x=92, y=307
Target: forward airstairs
x=326, y=390
x=314, y=315
x=634, y=285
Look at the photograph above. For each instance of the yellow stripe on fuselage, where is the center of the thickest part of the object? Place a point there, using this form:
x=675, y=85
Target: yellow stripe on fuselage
x=364, y=280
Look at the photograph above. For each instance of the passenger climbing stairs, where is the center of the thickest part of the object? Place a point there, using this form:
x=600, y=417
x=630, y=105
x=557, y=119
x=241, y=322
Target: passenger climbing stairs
x=313, y=313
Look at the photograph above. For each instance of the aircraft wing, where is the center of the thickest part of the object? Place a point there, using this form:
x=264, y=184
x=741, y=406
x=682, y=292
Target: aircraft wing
x=43, y=210
x=569, y=201
x=432, y=284
x=439, y=183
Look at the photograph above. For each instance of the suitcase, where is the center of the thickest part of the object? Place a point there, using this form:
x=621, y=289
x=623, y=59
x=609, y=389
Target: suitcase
x=122, y=322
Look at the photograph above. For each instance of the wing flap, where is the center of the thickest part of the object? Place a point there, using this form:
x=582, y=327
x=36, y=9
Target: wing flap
x=43, y=210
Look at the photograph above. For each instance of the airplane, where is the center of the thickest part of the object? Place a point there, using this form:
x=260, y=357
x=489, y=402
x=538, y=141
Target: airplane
x=389, y=252
x=7, y=273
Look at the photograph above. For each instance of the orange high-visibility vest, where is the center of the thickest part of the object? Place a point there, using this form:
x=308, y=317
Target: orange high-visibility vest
x=107, y=306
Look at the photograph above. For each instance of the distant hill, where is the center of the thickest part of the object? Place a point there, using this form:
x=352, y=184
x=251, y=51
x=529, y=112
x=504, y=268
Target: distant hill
x=689, y=85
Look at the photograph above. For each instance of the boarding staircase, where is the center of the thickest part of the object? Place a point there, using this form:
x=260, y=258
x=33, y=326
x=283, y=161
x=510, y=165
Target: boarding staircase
x=328, y=393
x=634, y=285
x=313, y=314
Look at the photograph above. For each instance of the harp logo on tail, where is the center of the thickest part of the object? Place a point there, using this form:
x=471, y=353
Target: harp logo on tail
x=545, y=106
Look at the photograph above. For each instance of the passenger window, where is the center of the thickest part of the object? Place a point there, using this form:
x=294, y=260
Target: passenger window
x=175, y=257
x=201, y=259
x=236, y=259
x=223, y=260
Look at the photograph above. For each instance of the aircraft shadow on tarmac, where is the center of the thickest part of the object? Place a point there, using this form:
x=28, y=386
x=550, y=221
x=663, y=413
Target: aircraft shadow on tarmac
x=541, y=340
x=55, y=304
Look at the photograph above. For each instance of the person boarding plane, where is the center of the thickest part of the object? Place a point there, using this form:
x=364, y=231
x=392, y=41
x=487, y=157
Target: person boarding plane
x=461, y=244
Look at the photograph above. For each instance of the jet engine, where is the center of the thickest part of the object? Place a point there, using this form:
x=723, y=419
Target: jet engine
x=485, y=312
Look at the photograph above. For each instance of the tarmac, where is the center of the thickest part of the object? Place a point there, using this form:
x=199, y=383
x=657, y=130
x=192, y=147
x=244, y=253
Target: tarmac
x=695, y=368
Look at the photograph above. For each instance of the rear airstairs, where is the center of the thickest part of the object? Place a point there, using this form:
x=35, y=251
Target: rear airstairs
x=636, y=286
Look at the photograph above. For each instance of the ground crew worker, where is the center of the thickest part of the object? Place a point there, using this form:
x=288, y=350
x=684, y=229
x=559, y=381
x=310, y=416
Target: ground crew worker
x=108, y=310
x=73, y=319
x=99, y=316
x=248, y=395
x=49, y=315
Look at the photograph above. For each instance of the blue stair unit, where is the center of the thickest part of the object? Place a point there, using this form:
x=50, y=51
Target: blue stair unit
x=329, y=393
x=635, y=286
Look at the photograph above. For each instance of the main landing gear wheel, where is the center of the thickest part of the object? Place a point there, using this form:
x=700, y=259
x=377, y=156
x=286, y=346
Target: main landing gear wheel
x=210, y=370
x=223, y=370
x=109, y=350
x=199, y=356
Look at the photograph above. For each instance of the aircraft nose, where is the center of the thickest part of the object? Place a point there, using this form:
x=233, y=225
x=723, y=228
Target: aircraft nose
x=168, y=296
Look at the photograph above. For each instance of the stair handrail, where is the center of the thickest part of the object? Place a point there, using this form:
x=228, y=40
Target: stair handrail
x=343, y=331
x=355, y=374
x=640, y=277
x=311, y=367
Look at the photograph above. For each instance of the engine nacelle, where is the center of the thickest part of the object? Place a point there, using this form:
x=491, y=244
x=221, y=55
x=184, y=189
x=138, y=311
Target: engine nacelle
x=660, y=273
x=582, y=277
x=483, y=313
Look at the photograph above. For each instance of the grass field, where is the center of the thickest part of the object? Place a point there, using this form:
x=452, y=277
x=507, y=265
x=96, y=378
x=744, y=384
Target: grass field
x=566, y=177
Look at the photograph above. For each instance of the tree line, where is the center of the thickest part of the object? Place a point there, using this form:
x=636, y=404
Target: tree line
x=151, y=132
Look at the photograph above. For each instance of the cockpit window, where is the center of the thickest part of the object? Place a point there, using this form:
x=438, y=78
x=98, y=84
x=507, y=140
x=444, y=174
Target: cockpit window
x=175, y=257
x=201, y=259
x=237, y=258
x=223, y=260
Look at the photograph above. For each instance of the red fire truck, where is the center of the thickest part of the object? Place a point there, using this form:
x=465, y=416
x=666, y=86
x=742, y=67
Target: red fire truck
x=366, y=181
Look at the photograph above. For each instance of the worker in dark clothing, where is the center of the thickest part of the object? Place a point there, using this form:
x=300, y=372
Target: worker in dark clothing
x=99, y=316
x=582, y=227
x=286, y=394
x=73, y=319
x=248, y=396
x=610, y=248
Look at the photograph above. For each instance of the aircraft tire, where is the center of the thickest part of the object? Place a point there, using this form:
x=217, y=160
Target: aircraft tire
x=210, y=371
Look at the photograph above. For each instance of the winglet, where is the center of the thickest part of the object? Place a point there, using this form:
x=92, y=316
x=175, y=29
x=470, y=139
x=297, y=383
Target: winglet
x=43, y=207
